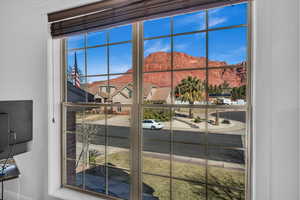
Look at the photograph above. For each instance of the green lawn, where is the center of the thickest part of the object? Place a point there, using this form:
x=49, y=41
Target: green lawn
x=187, y=190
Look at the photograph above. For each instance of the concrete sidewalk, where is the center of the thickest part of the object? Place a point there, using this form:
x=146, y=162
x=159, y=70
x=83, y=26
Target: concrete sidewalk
x=180, y=123
x=183, y=159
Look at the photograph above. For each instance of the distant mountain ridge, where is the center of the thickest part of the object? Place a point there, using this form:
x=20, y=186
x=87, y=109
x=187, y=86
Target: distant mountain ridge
x=161, y=61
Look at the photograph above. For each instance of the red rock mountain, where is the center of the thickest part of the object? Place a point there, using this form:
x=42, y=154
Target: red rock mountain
x=161, y=61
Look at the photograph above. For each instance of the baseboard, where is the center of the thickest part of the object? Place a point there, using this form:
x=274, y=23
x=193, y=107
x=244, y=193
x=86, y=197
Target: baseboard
x=9, y=195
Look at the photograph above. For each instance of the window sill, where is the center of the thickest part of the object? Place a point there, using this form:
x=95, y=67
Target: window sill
x=68, y=194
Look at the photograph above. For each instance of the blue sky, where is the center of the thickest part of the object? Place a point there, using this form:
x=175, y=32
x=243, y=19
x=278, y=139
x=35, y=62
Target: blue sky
x=224, y=45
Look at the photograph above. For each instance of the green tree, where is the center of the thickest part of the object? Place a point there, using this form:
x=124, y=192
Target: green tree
x=225, y=85
x=162, y=115
x=190, y=89
x=238, y=92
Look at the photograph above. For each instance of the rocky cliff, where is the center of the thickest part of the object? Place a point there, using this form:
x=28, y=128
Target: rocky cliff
x=161, y=61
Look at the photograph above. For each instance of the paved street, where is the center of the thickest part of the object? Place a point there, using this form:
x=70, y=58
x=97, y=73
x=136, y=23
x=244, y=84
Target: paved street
x=222, y=143
x=186, y=143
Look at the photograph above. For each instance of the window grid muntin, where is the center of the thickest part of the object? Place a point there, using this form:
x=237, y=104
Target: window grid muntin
x=195, y=32
x=176, y=142
x=246, y=107
x=188, y=180
x=159, y=37
x=107, y=44
x=206, y=106
x=207, y=68
x=83, y=108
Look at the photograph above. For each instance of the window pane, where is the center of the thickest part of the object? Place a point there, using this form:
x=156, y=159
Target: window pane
x=75, y=42
x=118, y=152
x=95, y=120
x=228, y=15
x=189, y=22
x=75, y=146
x=74, y=118
x=96, y=150
x=227, y=86
x=225, y=193
x=156, y=141
x=97, y=61
x=155, y=187
x=189, y=51
x=157, y=27
x=188, y=190
x=121, y=89
x=227, y=47
x=189, y=87
x=118, y=127
x=188, y=159
x=120, y=58
x=120, y=34
x=157, y=88
x=96, y=38
x=227, y=127
x=226, y=155
x=97, y=89
x=157, y=55
x=226, y=174
x=75, y=93
x=190, y=119
x=75, y=173
x=72, y=60
x=189, y=128
x=119, y=183
x=81, y=130
x=95, y=179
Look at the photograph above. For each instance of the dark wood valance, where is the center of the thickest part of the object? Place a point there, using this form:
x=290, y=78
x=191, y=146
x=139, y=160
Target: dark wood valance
x=108, y=13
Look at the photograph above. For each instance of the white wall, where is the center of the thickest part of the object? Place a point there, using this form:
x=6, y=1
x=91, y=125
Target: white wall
x=276, y=102
x=23, y=75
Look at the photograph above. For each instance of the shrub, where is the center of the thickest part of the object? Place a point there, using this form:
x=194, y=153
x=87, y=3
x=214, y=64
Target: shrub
x=93, y=156
x=160, y=115
x=226, y=121
x=198, y=120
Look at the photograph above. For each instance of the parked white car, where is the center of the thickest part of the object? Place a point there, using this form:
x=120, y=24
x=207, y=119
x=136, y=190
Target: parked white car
x=224, y=101
x=152, y=124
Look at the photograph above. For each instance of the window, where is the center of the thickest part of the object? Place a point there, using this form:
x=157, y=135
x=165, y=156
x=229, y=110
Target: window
x=178, y=125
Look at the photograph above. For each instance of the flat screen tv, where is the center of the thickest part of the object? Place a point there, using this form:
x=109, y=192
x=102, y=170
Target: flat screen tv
x=19, y=115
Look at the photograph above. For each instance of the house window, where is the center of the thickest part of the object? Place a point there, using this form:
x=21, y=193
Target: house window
x=183, y=132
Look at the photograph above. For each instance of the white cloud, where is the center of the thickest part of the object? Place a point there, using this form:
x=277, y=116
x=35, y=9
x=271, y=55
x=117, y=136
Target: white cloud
x=194, y=19
x=215, y=10
x=199, y=18
x=216, y=21
x=156, y=47
x=181, y=47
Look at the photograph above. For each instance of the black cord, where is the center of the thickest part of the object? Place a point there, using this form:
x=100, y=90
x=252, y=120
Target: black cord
x=11, y=153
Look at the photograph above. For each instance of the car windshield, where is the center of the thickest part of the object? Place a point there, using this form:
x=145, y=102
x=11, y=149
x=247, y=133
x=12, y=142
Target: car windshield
x=156, y=121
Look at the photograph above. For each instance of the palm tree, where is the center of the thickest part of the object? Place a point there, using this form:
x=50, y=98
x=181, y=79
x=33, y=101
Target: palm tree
x=190, y=89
